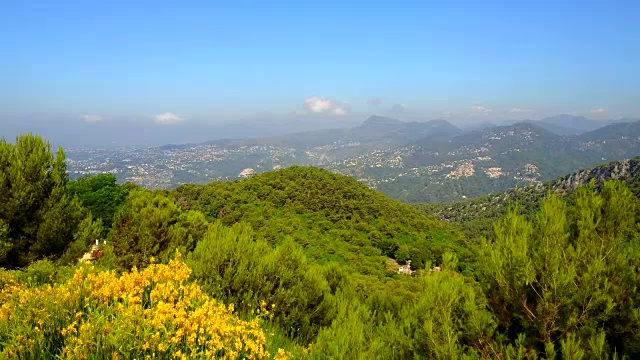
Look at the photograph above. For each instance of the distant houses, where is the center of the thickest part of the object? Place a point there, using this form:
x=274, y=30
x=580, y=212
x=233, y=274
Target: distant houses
x=405, y=269
x=96, y=252
x=392, y=265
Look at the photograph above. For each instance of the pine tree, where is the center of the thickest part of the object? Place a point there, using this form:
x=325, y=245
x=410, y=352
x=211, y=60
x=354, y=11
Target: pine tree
x=568, y=278
x=37, y=217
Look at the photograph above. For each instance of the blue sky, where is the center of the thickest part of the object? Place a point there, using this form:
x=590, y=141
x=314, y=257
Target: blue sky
x=177, y=62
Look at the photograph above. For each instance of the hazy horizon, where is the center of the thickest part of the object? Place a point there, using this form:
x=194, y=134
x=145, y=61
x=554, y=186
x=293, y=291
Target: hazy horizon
x=150, y=73
x=70, y=133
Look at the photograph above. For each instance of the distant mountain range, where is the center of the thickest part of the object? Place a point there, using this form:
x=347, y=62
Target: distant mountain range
x=563, y=124
x=376, y=129
x=430, y=161
x=391, y=131
x=493, y=159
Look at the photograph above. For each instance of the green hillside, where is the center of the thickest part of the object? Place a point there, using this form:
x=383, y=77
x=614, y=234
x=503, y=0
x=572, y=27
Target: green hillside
x=476, y=216
x=333, y=217
x=303, y=263
x=499, y=158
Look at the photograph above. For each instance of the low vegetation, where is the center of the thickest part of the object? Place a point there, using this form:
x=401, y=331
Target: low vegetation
x=294, y=264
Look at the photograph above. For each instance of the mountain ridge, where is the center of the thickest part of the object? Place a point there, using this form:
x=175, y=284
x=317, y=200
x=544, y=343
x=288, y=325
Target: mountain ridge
x=494, y=159
x=431, y=161
x=474, y=215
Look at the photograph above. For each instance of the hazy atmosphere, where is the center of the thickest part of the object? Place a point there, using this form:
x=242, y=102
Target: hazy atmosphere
x=357, y=180
x=121, y=72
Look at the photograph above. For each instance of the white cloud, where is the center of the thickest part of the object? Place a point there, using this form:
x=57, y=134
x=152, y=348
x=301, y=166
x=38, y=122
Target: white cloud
x=168, y=119
x=318, y=105
x=322, y=105
x=480, y=109
x=519, y=111
x=340, y=111
x=93, y=119
x=598, y=111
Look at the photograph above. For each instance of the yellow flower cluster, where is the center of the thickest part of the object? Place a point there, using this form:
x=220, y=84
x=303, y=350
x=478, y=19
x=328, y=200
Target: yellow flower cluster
x=153, y=313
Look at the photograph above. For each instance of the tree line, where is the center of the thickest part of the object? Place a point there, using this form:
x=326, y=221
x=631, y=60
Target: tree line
x=303, y=253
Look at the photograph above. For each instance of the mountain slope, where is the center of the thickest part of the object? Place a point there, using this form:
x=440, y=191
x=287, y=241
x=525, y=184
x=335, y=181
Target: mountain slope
x=579, y=124
x=495, y=159
x=334, y=217
x=481, y=162
x=614, y=141
x=430, y=161
x=476, y=215
x=554, y=128
x=375, y=129
x=378, y=127
x=521, y=140
x=566, y=124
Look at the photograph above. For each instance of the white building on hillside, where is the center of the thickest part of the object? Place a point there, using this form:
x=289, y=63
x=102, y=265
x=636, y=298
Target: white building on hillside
x=247, y=173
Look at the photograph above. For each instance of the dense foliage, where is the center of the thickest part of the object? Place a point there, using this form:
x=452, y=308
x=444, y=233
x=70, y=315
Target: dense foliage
x=476, y=217
x=306, y=262
x=100, y=195
x=151, y=224
x=37, y=216
x=569, y=275
x=232, y=266
x=334, y=218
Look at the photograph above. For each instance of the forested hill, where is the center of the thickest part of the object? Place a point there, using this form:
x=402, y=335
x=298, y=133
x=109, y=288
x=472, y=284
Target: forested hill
x=334, y=217
x=304, y=263
x=476, y=216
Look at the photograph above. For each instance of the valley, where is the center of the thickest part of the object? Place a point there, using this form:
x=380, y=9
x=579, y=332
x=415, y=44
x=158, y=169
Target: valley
x=251, y=180
x=288, y=263
x=432, y=161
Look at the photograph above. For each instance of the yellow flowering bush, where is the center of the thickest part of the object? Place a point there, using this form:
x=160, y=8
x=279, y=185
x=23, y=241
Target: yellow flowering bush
x=153, y=313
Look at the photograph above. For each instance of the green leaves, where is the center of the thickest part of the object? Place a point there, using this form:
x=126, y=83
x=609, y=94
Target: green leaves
x=333, y=217
x=304, y=250
x=451, y=317
x=100, y=195
x=37, y=218
x=151, y=224
x=232, y=266
x=568, y=273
